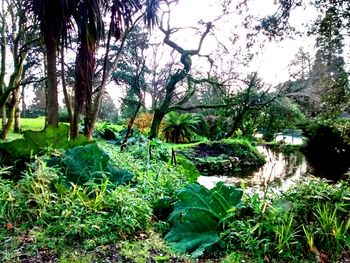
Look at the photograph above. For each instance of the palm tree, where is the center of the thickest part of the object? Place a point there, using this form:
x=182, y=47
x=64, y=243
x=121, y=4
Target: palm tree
x=54, y=17
x=180, y=127
x=90, y=25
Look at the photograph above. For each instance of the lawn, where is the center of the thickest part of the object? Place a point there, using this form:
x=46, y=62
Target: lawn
x=36, y=124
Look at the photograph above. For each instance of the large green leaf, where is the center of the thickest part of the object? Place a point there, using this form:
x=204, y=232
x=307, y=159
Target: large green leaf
x=56, y=137
x=199, y=215
x=90, y=162
x=40, y=142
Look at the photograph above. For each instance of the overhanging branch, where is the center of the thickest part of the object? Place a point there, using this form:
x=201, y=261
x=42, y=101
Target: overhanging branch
x=202, y=106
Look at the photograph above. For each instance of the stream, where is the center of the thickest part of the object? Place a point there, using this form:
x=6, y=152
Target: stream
x=280, y=170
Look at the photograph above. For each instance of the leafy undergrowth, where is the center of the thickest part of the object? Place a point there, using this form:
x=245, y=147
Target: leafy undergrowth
x=42, y=216
x=308, y=223
x=19, y=152
x=199, y=216
x=45, y=219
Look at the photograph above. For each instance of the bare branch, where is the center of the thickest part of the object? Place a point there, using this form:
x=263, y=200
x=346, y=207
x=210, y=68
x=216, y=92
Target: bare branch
x=24, y=83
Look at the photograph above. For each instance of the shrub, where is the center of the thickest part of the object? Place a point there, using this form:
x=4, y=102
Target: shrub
x=179, y=127
x=328, y=144
x=308, y=222
x=143, y=121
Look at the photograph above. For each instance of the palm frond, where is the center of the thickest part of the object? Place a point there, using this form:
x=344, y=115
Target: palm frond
x=180, y=127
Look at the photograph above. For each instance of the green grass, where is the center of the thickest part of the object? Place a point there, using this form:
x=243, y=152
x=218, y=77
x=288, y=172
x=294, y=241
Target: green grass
x=36, y=124
x=183, y=145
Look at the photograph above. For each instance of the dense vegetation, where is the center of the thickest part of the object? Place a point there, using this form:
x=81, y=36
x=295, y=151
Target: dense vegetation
x=95, y=202
x=91, y=180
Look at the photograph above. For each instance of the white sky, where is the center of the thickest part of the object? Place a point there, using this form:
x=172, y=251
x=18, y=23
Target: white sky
x=273, y=59
x=272, y=62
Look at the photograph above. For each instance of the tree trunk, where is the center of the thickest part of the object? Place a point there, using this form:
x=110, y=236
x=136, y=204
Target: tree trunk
x=160, y=112
x=67, y=99
x=52, y=97
x=236, y=124
x=3, y=70
x=7, y=127
x=74, y=129
x=17, y=113
x=3, y=116
x=89, y=125
x=24, y=106
x=157, y=119
x=131, y=122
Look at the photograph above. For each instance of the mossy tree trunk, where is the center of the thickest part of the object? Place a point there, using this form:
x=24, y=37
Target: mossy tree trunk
x=17, y=114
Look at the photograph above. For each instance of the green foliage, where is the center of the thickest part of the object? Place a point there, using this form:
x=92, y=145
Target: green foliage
x=199, y=217
x=88, y=215
x=189, y=169
x=56, y=217
x=328, y=142
x=223, y=156
x=63, y=115
x=19, y=152
x=308, y=221
x=85, y=163
x=41, y=142
x=281, y=114
x=108, y=131
x=179, y=127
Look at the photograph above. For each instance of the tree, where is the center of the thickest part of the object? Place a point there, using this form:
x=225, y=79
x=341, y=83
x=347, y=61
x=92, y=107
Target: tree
x=329, y=64
x=300, y=67
x=132, y=71
x=38, y=105
x=90, y=26
x=324, y=89
x=249, y=101
x=279, y=115
x=178, y=76
x=54, y=17
x=20, y=37
x=108, y=111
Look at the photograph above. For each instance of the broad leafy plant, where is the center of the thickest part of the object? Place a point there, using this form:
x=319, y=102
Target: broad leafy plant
x=90, y=162
x=199, y=217
x=180, y=127
x=41, y=142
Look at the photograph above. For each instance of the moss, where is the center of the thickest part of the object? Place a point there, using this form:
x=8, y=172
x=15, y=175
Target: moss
x=223, y=156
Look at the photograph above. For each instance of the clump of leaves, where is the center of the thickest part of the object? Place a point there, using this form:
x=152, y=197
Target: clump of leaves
x=179, y=127
x=143, y=121
x=85, y=163
x=188, y=168
x=19, y=152
x=42, y=142
x=310, y=220
x=199, y=217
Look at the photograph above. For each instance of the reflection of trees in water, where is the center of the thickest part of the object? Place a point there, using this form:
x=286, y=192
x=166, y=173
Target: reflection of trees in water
x=281, y=170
